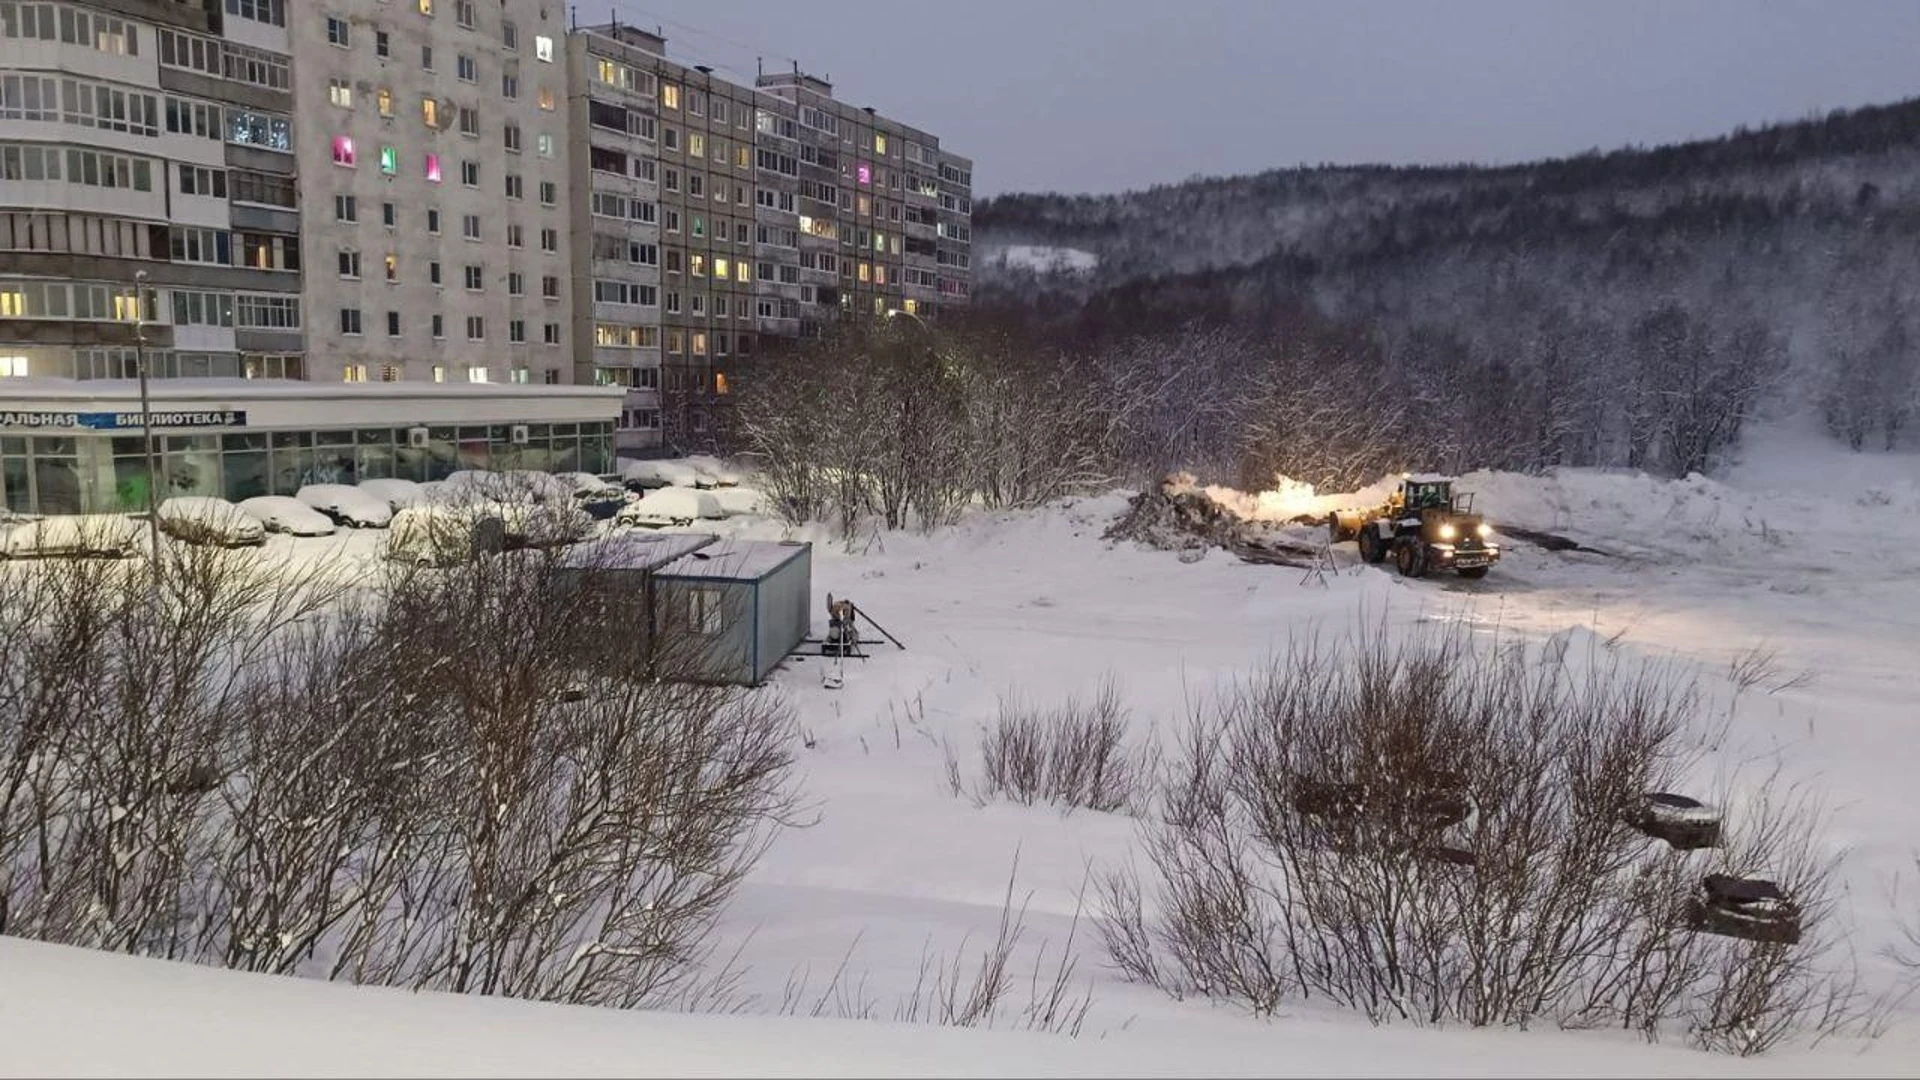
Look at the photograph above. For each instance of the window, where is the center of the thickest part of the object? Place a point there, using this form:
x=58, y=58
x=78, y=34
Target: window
x=879, y=144
x=343, y=150
x=426, y=8
x=470, y=226
x=516, y=283
x=466, y=68
x=382, y=45
x=545, y=98
x=271, y=12
x=513, y=236
x=337, y=33
x=393, y=326
x=543, y=145
x=510, y=82
x=469, y=118
x=345, y=208
x=198, y=180
x=393, y=268
x=509, y=35
x=550, y=287
x=470, y=173
x=476, y=279
x=256, y=66
x=340, y=92
x=433, y=168
x=349, y=264
x=475, y=373
x=670, y=95
x=430, y=112
x=426, y=58
x=550, y=335
x=439, y=331
x=517, y=332
x=550, y=240
x=389, y=163
x=696, y=144
x=265, y=189
x=264, y=130
x=463, y=13
x=543, y=49
x=433, y=221
x=383, y=100
x=200, y=246
x=476, y=331
x=433, y=272
x=350, y=321
x=549, y=193
x=515, y=188
x=670, y=138
x=510, y=136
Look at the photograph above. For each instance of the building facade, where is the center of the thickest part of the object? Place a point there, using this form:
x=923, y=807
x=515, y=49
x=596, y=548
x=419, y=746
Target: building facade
x=156, y=136
x=443, y=191
x=713, y=221
x=433, y=164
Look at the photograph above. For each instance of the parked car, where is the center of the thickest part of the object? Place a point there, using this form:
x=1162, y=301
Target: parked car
x=440, y=535
x=399, y=494
x=658, y=473
x=286, y=514
x=543, y=525
x=201, y=519
x=601, y=499
x=712, y=472
x=73, y=536
x=347, y=505
x=670, y=506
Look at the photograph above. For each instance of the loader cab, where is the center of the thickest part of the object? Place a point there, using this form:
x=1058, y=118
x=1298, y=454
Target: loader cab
x=1426, y=493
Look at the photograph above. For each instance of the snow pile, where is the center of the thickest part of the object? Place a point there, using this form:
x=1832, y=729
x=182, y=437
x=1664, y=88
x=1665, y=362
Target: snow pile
x=1290, y=500
x=399, y=494
x=671, y=506
x=1043, y=259
x=1183, y=516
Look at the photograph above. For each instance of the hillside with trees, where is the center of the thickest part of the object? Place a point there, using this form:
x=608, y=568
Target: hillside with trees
x=1637, y=308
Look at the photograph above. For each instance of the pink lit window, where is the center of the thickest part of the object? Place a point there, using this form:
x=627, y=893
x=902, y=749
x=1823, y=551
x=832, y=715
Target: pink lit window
x=433, y=168
x=866, y=173
x=343, y=150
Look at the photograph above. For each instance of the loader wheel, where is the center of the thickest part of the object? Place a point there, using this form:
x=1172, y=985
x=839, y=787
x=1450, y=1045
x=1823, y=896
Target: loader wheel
x=1411, y=558
x=1474, y=572
x=1371, y=549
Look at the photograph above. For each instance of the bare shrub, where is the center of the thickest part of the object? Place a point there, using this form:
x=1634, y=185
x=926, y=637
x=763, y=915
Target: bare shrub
x=1073, y=755
x=1438, y=832
x=478, y=780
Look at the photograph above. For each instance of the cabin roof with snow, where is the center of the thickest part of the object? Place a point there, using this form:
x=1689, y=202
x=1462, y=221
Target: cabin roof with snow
x=734, y=560
x=635, y=551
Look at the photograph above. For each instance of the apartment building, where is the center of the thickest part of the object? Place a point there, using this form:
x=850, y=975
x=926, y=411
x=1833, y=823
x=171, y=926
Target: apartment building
x=713, y=221
x=157, y=136
x=433, y=162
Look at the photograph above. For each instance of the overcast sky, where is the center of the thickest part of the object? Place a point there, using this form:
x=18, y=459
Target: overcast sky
x=1105, y=95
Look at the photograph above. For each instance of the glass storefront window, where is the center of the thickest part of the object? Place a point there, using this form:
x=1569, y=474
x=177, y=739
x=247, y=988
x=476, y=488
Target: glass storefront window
x=442, y=457
x=56, y=476
x=15, y=488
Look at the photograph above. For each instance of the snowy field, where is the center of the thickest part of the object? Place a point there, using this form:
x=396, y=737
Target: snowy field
x=1787, y=555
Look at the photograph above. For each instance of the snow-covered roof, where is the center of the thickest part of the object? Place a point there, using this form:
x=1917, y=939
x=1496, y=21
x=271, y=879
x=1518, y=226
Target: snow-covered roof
x=635, y=551
x=734, y=560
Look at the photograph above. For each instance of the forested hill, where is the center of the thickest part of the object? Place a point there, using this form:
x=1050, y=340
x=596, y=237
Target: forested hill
x=1798, y=240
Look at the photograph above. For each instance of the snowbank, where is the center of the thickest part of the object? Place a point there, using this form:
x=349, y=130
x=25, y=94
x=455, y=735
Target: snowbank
x=1045, y=259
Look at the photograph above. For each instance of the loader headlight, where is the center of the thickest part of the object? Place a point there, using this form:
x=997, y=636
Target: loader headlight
x=1485, y=530
x=1447, y=532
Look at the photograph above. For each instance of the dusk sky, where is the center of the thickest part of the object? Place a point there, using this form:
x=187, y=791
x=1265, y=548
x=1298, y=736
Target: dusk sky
x=1105, y=95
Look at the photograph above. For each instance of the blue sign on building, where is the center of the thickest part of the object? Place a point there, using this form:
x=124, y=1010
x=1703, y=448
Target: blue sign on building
x=119, y=421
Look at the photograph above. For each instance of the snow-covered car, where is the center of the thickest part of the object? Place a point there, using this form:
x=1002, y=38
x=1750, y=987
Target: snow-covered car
x=740, y=501
x=512, y=485
x=711, y=471
x=399, y=494
x=73, y=535
x=670, y=506
x=543, y=525
x=286, y=514
x=347, y=505
x=442, y=535
x=601, y=499
x=201, y=519
x=659, y=473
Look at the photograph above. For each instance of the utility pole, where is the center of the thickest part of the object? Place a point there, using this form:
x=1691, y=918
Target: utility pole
x=141, y=296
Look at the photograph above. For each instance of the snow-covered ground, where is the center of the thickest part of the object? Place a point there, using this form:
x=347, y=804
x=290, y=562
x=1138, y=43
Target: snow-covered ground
x=1039, y=604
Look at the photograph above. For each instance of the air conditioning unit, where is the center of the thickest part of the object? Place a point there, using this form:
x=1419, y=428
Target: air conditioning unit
x=417, y=438
x=518, y=436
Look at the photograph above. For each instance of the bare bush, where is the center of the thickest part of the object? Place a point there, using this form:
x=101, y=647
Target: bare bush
x=1074, y=755
x=1440, y=832
x=478, y=780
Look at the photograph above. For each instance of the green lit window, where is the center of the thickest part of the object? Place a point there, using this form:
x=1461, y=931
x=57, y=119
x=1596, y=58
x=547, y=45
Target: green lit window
x=389, y=160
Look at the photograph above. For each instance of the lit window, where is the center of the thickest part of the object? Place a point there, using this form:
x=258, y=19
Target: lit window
x=696, y=144
x=697, y=265
x=389, y=160
x=543, y=48
x=546, y=98
x=430, y=112
x=740, y=270
x=880, y=144
x=544, y=145
x=866, y=173
x=476, y=374
x=426, y=7
x=720, y=382
x=433, y=168
x=720, y=269
x=912, y=307
x=385, y=100
x=343, y=150
x=393, y=269
x=340, y=92
x=670, y=95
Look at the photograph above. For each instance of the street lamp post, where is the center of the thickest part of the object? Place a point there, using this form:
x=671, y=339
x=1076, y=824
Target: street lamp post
x=140, y=299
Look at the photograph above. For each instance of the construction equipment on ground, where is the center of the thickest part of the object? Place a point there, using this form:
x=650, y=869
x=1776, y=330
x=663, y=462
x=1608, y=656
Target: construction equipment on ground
x=1424, y=525
x=843, y=639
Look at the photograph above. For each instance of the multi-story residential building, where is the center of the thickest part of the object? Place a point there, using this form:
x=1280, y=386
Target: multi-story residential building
x=156, y=136
x=433, y=154
x=714, y=220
